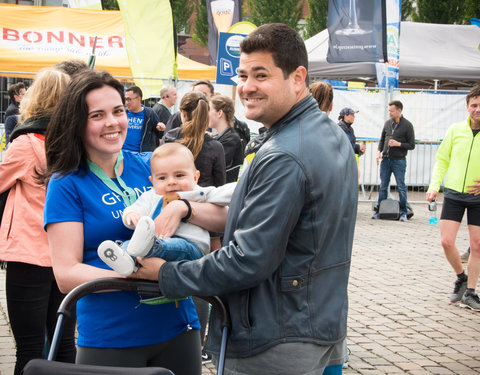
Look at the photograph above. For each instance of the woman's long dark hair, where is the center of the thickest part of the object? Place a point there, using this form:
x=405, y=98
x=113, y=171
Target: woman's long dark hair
x=194, y=106
x=64, y=147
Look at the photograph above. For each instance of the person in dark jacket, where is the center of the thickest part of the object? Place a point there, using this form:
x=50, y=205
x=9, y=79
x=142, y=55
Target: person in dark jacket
x=347, y=117
x=16, y=93
x=396, y=139
x=222, y=110
x=283, y=269
x=168, y=98
x=142, y=134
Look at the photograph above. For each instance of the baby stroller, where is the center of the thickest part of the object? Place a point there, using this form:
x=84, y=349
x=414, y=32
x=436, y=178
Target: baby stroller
x=143, y=288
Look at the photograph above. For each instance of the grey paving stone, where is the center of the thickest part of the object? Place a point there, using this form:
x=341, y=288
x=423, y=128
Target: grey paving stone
x=400, y=321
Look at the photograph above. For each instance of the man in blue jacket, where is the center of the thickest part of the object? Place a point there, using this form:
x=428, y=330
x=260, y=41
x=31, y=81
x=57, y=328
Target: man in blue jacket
x=284, y=266
x=142, y=134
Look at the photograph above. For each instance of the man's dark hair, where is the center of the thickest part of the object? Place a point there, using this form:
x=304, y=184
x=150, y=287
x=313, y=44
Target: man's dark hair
x=136, y=90
x=474, y=92
x=205, y=82
x=71, y=67
x=285, y=44
x=15, y=90
x=396, y=103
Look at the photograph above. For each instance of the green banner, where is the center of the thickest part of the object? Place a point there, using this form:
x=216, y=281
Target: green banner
x=150, y=42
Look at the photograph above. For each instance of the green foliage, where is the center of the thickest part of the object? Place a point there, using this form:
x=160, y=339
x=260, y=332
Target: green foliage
x=317, y=21
x=472, y=10
x=201, y=23
x=288, y=12
x=440, y=11
x=182, y=10
x=407, y=9
x=110, y=5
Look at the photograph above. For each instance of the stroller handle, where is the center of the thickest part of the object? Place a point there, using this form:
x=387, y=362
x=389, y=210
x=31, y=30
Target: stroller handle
x=142, y=287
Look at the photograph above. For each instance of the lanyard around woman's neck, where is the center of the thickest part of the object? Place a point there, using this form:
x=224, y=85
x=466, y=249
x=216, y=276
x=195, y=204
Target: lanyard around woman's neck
x=127, y=193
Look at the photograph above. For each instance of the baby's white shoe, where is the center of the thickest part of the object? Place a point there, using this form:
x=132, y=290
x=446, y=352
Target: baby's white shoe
x=116, y=258
x=143, y=237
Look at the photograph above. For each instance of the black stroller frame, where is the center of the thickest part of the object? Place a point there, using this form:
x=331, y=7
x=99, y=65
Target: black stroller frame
x=142, y=288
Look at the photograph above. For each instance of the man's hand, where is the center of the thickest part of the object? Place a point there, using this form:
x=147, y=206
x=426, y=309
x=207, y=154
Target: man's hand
x=474, y=189
x=161, y=126
x=166, y=224
x=132, y=218
x=431, y=195
x=148, y=269
x=379, y=157
x=393, y=143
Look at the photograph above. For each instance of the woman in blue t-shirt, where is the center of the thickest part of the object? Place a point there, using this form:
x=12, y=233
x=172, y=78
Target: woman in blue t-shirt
x=90, y=181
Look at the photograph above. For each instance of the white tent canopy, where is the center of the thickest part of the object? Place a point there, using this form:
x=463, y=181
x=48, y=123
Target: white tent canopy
x=427, y=51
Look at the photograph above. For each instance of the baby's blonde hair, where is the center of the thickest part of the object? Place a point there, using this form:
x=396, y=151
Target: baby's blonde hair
x=172, y=148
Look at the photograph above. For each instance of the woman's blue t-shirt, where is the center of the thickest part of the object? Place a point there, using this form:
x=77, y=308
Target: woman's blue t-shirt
x=113, y=319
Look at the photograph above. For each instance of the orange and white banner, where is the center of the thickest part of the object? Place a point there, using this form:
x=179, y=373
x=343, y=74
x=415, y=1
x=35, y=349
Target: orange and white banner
x=35, y=37
x=32, y=38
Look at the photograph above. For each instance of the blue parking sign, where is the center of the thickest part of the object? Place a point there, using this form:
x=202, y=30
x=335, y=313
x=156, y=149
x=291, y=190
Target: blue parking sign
x=228, y=58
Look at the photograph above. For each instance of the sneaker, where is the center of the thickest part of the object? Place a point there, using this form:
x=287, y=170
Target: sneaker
x=470, y=301
x=465, y=255
x=143, y=237
x=206, y=358
x=376, y=216
x=116, y=258
x=458, y=291
x=403, y=217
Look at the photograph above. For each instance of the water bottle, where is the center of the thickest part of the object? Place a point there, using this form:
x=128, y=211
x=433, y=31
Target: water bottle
x=432, y=207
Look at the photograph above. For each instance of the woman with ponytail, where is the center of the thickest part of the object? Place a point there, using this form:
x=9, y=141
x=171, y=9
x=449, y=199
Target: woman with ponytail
x=208, y=153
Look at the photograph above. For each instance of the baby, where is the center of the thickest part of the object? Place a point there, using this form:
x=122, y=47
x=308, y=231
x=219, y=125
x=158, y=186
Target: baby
x=173, y=177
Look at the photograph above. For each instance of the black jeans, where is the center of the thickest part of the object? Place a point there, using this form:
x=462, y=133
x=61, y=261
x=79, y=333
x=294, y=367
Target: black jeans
x=33, y=298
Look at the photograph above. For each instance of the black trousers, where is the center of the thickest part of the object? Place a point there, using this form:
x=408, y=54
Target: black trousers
x=33, y=299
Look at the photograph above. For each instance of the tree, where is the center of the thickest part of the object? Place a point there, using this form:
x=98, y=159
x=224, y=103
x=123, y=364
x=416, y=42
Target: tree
x=472, y=10
x=317, y=21
x=182, y=10
x=440, y=11
x=407, y=9
x=288, y=12
x=110, y=5
x=201, y=23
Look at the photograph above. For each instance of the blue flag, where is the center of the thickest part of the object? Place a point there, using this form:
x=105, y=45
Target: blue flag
x=389, y=73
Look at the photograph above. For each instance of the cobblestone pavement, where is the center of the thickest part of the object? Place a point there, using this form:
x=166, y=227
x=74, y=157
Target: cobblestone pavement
x=400, y=321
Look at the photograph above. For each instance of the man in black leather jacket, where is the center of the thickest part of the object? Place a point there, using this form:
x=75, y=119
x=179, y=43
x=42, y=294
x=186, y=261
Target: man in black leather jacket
x=284, y=266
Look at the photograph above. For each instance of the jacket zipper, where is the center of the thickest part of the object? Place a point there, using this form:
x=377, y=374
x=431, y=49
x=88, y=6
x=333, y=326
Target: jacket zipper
x=468, y=163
